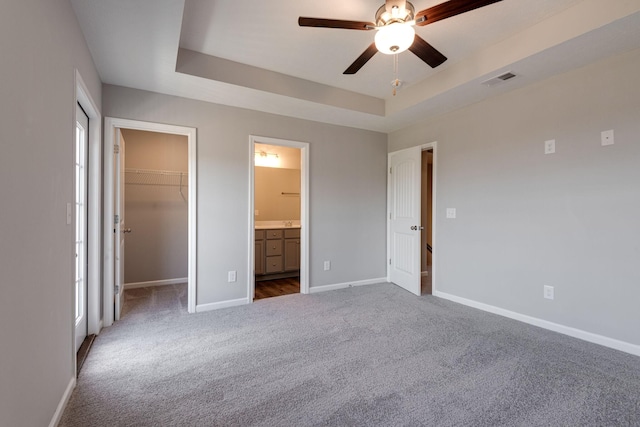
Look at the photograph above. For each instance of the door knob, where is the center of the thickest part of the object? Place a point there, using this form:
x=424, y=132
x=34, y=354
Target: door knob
x=126, y=230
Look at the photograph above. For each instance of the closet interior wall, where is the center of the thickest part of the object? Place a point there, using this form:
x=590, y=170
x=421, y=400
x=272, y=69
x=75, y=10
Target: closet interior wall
x=156, y=208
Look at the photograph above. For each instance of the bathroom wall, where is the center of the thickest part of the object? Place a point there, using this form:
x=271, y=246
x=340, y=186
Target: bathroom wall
x=270, y=202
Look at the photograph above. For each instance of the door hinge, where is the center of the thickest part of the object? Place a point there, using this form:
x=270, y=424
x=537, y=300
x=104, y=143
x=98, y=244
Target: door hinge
x=116, y=149
x=389, y=261
x=390, y=171
x=116, y=219
x=116, y=289
x=389, y=215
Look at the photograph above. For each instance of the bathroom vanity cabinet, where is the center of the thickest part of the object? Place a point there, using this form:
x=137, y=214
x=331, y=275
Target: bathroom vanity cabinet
x=277, y=253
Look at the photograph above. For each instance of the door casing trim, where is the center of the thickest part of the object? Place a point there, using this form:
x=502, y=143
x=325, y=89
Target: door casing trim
x=110, y=131
x=94, y=184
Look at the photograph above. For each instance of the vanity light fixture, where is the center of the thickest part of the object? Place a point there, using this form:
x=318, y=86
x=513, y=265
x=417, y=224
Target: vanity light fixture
x=271, y=160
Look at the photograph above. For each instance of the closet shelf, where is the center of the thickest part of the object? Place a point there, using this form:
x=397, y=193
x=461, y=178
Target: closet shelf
x=156, y=177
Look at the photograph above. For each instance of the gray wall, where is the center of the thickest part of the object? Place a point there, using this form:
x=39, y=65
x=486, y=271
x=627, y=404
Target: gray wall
x=157, y=214
x=347, y=188
x=526, y=219
x=40, y=45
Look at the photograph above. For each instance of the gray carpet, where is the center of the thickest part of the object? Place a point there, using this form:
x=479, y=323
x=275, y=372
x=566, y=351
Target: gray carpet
x=374, y=356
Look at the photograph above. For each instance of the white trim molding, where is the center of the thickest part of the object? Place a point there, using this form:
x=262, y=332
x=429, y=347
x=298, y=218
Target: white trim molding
x=55, y=420
x=545, y=324
x=200, y=308
x=325, y=288
x=164, y=282
x=94, y=204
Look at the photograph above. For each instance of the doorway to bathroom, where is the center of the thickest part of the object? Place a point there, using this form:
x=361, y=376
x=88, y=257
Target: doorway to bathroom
x=278, y=225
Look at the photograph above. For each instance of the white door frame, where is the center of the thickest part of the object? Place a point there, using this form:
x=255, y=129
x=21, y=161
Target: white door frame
x=434, y=213
x=81, y=184
x=304, y=210
x=111, y=126
x=94, y=192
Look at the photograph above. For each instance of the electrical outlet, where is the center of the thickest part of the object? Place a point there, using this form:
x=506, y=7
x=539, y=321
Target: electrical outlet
x=327, y=265
x=607, y=137
x=451, y=213
x=548, y=292
x=232, y=276
x=550, y=146
x=257, y=212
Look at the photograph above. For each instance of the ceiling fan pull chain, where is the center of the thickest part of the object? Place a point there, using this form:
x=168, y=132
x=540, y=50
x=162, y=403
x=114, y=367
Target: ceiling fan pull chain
x=396, y=82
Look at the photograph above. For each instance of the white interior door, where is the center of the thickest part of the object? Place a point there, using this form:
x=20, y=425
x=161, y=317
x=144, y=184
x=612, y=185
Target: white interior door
x=120, y=227
x=404, y=219
x=80, y=234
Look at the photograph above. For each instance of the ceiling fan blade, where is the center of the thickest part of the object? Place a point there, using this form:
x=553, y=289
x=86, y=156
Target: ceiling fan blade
x=362, y=59
x=335, y=23
x=448, y=9
x=426, y=52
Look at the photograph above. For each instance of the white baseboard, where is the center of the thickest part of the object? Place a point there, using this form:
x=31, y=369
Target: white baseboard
x=556, y=327
x=222, y=304
x=242, y=301
x=63, y=403
x=164, y=282
x=324, y=288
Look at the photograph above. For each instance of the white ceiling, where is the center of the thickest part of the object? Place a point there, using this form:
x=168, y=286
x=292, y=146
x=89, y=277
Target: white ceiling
x=252, y=54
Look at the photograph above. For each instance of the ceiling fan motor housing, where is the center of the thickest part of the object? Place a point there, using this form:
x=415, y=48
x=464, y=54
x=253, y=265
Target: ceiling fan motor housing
x=394, y=11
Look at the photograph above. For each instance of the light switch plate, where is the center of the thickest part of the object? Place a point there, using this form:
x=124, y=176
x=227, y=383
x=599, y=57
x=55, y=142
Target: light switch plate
x=232, y=276
x=550, y=146
x=327, y=265
x=607, y=137
x=451, y=213
x=68, y=213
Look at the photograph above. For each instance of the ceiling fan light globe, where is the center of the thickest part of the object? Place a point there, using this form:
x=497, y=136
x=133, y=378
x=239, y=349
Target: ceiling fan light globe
x=394, y=38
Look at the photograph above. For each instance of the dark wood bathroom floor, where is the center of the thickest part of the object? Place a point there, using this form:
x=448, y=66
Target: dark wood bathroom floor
x=276, y=288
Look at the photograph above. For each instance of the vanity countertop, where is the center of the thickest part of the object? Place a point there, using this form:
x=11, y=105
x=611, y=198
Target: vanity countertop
x=274, y=227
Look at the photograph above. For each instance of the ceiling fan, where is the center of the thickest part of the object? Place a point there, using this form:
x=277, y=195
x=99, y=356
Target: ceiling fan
x=394, y=22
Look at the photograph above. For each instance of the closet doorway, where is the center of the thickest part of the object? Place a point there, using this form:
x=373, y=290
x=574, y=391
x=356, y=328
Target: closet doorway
x=279, y=191
x=150, y=200
x=155, y=220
